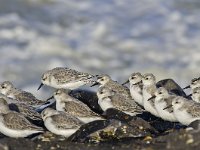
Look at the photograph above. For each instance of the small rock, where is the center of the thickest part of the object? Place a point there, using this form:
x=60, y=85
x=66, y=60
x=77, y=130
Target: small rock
x=89, y=98
x=85, y=130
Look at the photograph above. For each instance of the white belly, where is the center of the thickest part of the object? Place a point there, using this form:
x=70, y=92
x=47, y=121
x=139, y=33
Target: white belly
x=11, y=96
x=71, y=85
x=105, y=104
x=147, y=104
x=60, y=106
x=165, y=115
x=184, y=117
x=136, y=95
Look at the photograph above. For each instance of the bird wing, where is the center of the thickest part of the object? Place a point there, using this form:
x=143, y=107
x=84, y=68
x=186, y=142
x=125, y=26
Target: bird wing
x=64, y=121
x=118, y=88
x=27, y=111
x=19, y=122
x=66, y=75
x=194, y=109
x=79, y=108
x=28, y=98
x=122, y=103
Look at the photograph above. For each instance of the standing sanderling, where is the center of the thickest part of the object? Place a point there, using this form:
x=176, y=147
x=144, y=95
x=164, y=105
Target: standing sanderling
x=162, y=100
x=60, y=123
x=149, y=88
x=106, y=82
x=8, y=89
x=136, y=86
x=186, y=111
x=14, y=124
x=66, y=78
x=194, y=83
x=74, y=107
x=110, y=99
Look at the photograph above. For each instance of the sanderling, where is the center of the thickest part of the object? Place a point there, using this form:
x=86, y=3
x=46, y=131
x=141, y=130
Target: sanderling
x=8, y=89
x=194, y=83
x=14, y=124
x=66, y=78
x=196, y=94
x=149, y=88
x=186, y=111
x=110, y=99
x=107, y=82
x=136, y=86
x=60, y=123
x=162, y=100
x=74, y=107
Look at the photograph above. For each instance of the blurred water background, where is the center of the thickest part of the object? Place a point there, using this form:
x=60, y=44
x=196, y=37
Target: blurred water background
x=116, y=37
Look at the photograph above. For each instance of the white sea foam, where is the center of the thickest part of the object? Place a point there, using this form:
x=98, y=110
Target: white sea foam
x=108, y=36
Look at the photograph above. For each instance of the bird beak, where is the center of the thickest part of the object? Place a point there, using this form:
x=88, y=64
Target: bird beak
x=96, y=83
x=151, y=98
x=125, y=82
x=40, y=86
x=50, y=98
x=168, y=107
x=186, y=87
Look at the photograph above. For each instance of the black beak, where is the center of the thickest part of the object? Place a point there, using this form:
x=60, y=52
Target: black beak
x=187, y=87
x=168, y=107
x=151, y=98
x=40, y=86
x=189, y=96
x=50, y=98
x=96, y=83
x=195, y=79
x=125, y=82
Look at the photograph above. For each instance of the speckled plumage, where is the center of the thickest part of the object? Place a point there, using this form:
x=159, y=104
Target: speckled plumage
x=17, y=121
x=28, y=111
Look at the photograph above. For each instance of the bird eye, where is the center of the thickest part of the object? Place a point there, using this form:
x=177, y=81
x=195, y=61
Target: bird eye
x=101, y=92
x=176, y=102
x=147, y=78
x=3, y=86
x=44, y=78
x=133, y=77
x=58, y=92
x=159, y=92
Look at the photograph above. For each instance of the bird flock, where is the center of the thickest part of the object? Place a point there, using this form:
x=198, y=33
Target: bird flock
x=19, y=115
